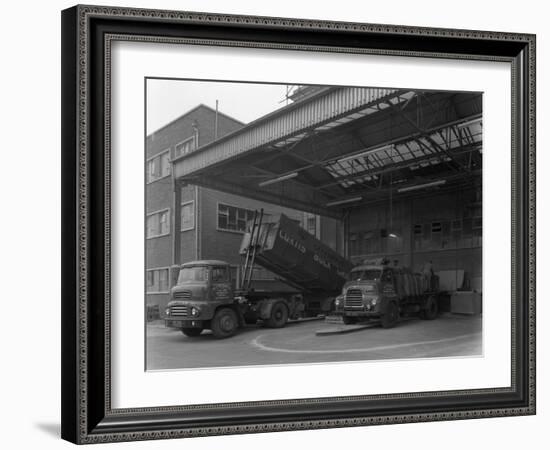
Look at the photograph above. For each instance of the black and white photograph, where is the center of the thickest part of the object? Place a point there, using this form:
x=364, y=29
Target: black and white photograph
x=300, y=224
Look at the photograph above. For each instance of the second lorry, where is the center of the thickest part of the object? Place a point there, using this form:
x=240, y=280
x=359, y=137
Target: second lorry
x=382, y=291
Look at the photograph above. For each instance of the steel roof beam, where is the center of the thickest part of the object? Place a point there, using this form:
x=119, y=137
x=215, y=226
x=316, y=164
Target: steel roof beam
x=398, y=166
x=311, y=206
x=369, y=196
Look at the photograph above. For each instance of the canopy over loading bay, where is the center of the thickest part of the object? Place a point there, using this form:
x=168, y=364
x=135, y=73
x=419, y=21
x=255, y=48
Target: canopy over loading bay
x=345, y=146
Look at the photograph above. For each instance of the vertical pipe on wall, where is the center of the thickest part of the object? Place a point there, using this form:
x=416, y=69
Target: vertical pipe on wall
x=216, y=123
x=411, y=234
x=176, y=222
x=197, y=224
x=198, y=233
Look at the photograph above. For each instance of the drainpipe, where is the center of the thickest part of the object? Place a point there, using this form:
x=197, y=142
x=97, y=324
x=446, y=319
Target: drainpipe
x=198, y=233
x=216, y=123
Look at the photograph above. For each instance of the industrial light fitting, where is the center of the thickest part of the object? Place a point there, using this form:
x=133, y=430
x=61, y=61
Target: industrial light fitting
x=365, y=153
x=421, y=186
x=278, y=179
x=347, y=200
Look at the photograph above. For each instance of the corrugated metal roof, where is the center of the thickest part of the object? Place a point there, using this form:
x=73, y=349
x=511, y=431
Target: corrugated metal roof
x=330, y=108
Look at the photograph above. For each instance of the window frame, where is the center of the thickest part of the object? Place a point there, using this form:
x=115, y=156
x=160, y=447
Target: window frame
x=192, y=227
x=192, y=139
x=151, y=158
x=157, y=269
x=168, y=221
x=229, y=205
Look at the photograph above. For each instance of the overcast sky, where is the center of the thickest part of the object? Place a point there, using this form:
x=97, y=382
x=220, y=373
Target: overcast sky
x=169, y=99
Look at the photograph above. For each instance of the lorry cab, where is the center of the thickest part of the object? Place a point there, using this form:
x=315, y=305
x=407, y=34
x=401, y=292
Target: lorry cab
x=201, y=287
x=377, y=289
x=365, y=288
x=203, y=281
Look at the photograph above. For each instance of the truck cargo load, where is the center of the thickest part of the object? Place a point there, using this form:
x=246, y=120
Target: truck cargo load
x=292, y=253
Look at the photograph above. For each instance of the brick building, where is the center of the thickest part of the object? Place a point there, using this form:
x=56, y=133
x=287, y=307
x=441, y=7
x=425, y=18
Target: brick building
x=212, y=222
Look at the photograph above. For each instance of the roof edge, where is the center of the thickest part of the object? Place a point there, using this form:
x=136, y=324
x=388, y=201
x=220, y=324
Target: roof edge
x=200, y=105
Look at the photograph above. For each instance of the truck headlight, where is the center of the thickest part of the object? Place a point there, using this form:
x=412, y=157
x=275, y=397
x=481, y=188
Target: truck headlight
x=338, y=301
x=195, y=312
x=167, y=311
x=369, y=299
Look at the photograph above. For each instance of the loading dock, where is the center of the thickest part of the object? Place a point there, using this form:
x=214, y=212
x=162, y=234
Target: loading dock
x=392, y=172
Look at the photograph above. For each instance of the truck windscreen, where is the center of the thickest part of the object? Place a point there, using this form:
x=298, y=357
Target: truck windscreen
x=188, y=274
x=365, y=275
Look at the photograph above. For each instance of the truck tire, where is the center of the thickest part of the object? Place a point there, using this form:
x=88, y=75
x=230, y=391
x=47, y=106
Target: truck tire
x=279, y=316
x=225, y=323
x=191, y=332
x=431, y=309
x=391, y=316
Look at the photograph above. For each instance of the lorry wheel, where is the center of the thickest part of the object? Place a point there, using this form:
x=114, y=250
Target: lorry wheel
x=225, y=323
x=191, y=332
x=390, y=318
x=279, y=316
x=431, y=309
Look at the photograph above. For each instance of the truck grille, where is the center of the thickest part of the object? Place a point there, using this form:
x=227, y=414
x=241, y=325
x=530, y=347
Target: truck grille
x=182, y=295
x=354, y=299
x=178, y=310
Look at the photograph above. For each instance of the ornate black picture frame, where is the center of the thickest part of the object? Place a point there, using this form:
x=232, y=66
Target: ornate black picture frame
x=87, y=35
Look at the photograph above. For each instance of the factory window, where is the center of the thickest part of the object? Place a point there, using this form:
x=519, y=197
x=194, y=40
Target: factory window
x=158, y=166
x=184, y=147
x=436, y=227
x=309, y=223
x=158, y=223
x=232, y=218
x=157, y=281
x=188, y=216
x=418, y=228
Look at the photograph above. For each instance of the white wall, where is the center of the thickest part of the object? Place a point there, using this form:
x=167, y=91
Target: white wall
x=30, y=229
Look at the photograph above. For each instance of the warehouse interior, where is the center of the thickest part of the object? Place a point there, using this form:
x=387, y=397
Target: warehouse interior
x=393, y=173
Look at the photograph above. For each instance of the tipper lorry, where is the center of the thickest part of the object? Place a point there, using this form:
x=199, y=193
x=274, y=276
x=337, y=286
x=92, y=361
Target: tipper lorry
x=205, y=296
x=383, y=291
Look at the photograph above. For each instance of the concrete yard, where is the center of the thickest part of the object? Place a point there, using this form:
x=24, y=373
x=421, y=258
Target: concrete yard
x=449, y=335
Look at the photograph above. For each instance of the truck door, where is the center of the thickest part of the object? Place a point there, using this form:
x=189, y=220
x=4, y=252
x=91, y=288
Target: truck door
x=221, y=284
x=388, y=285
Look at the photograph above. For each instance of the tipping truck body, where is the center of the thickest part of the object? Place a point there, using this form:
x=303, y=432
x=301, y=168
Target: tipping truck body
x=205, y=297
x=378, y=290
